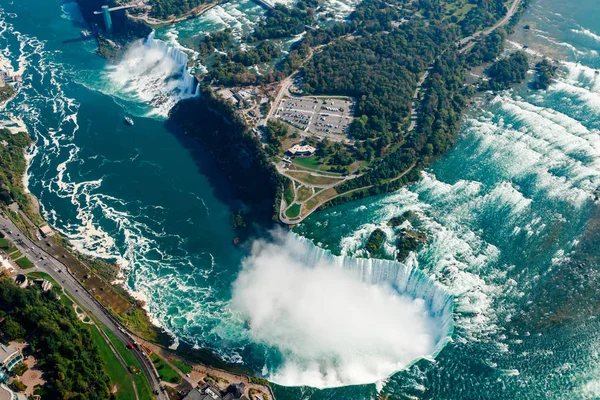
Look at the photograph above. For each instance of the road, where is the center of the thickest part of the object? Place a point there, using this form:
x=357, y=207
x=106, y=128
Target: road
x=76, y=291
x=511, y=11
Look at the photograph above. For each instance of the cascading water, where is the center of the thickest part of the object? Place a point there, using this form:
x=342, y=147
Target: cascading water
x=155, y=73
x=330, y=321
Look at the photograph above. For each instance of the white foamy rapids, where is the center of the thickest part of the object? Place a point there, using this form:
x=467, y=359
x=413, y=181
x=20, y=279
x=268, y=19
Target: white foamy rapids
x=588, y=33
x=529, y=142
x=154, y=73
x=338, y=320
x=453, y=255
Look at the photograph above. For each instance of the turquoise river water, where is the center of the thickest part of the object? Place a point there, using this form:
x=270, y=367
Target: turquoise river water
x=508, y=213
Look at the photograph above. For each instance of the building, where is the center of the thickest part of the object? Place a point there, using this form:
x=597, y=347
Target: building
x=43, y=284
x=210, y=392
x=46, y=231
x=301, y=150
x=5, y=265
x=10, y=357
x=21, y=281
x=7, y=394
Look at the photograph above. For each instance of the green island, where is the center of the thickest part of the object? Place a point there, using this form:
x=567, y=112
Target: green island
x=355, y=108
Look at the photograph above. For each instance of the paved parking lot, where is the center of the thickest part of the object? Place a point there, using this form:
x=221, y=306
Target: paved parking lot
x=317, y=115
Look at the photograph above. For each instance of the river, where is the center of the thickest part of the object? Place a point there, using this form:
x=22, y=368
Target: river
x=507, y=213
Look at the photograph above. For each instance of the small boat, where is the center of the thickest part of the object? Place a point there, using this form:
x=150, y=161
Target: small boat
x=85, y=33
x=129, y=121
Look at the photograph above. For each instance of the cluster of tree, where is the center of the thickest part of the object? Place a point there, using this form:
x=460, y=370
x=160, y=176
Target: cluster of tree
x=545, y=73
x=237, y=151
x=220, y=40
x=63, y=346
x=165, y=9
x=380, y=70
x=282, y=21
x=484, y=13
x=375, y=241
x=12, y=167
x=264, y=52
x=404, y=245
x=400, y=219
x=6, y=92
x=275, y=131
x=507, y=72
x=229, y=73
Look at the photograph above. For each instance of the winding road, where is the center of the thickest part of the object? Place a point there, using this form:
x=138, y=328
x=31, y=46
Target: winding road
x=44, y=262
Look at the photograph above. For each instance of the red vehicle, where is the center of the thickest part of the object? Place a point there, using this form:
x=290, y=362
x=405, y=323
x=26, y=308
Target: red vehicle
x=130, y=346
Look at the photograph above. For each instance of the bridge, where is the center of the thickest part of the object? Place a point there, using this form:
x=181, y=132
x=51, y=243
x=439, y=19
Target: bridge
x=107, y=10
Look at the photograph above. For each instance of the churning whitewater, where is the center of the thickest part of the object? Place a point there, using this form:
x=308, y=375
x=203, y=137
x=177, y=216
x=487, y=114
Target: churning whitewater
x=504, y=213
x=338, y=321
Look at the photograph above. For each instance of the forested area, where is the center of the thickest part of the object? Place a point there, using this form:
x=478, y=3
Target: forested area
x=63, y=347
x=164, y=9
x=283, y=21
x=507, y=72
x=12, y=166
x=545, y=72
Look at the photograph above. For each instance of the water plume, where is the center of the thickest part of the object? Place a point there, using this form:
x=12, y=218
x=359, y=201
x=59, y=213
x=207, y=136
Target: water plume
x=334, y=320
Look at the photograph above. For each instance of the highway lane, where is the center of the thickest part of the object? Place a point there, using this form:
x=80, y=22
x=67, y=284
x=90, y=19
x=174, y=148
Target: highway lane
x=44, y=262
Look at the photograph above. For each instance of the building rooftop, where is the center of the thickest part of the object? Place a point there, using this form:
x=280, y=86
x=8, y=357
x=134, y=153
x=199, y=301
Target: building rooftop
x=6, y=352
x=298, y=149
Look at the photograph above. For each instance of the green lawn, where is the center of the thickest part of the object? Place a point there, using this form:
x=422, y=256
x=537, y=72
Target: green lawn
x=24, y=263
x=289, y=192
x=166, y=372
x=293, y=211
x=140, y=380
x=5, y=244
x=308, y=162
x=115, y=370
x=15, y=255
x=183, y=367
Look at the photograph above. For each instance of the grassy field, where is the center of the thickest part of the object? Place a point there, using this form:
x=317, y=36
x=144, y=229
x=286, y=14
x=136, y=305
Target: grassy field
x=15, y=255
x=24, y=263
x=308, y=162
x=322, y=196
x=143, y=387
x=306, y=177
x=116, y=371
x=289, y=192
x=293, y=211
x=304, y=193
x=183, y=367
x=166, y=372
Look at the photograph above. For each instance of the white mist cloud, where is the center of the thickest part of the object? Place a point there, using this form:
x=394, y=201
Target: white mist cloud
x=330, y=328
x=151, y=72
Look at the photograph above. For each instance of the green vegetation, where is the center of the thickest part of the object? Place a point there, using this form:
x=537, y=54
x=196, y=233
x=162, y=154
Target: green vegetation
x=275, y=132
x=507, y=72
x=375, y=241
x=166, y=372
x=165, y=9
x=293, y=211
x=20, y=369
x=304, y=193
x=399, y=220
x=545, y=73
x=113, y=367
x=12, y=167
x=24, y=263
x=405, y=245
x=133, y=365
x=283, y=21
x=289, y=194
x=311, y=162
x=6, y=92
x=63, y=347
x=183, y=367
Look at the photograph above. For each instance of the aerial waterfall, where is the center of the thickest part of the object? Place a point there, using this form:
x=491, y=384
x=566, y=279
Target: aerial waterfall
x=404, y=279
x=328, y=321
x=155, y=73
x=181, y=59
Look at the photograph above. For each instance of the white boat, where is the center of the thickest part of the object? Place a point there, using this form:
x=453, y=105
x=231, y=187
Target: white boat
x=129, y=121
